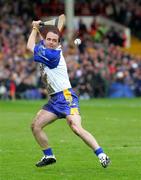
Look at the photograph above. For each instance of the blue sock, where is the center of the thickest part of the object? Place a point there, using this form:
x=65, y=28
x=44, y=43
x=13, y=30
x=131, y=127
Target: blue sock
x=48, y=152
x=99, y=151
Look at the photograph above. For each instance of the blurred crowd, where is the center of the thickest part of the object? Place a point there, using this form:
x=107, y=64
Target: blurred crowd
x=96, y=68
x=126, y=12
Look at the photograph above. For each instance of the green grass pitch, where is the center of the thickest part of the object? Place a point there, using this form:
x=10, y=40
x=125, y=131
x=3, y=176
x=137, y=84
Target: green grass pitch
x=116, y=124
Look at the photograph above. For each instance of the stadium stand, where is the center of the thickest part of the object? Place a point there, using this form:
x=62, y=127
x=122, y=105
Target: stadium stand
x=95, y=68
x=126, y=12
x=135, y=46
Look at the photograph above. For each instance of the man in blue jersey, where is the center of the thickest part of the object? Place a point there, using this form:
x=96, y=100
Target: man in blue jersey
x=63, y=102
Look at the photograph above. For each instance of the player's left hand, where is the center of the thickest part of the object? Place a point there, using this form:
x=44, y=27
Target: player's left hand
x=36, y=23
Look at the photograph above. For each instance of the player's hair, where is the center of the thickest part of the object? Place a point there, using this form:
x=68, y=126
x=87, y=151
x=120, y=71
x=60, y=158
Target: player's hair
x=49, y=28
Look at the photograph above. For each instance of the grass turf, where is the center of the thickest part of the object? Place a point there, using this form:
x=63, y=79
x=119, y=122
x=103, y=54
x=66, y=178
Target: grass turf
x=114, y=122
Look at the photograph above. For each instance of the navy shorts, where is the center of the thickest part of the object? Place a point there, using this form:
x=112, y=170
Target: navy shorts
x=63, y=103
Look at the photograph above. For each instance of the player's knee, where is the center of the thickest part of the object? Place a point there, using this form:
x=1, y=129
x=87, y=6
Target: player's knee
x=35, y=127
x=32, y=126
x=76, y=129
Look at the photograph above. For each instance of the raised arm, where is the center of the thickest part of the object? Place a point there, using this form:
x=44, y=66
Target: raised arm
x=32, y=37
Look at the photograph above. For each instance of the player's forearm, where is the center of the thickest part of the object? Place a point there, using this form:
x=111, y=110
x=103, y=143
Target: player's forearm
x=32, y=40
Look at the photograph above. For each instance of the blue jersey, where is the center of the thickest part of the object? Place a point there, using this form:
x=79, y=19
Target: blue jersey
x=48, y=57
x=53, y=68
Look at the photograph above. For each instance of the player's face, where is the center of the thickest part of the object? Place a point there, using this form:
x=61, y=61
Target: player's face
x=52, y=40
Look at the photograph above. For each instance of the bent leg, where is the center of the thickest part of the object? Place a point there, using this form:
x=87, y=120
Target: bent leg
x=42, y=119
x=74, y=122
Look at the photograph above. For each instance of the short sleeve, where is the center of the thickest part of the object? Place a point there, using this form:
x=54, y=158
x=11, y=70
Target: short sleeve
x=49, y=57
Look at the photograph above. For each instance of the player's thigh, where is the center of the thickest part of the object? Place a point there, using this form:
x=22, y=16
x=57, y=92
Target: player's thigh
x=44, y=118
x=74, y=120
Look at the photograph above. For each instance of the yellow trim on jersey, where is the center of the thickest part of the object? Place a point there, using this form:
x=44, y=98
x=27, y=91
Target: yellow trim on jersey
x=67, y=95
x=74, y=111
